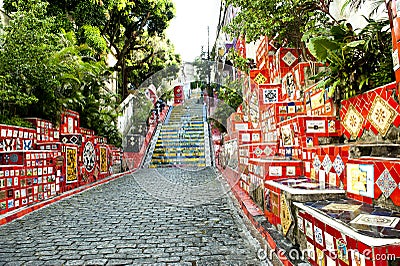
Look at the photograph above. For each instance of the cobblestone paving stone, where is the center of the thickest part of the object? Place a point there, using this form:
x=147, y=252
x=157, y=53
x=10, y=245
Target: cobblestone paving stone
x=152, y=217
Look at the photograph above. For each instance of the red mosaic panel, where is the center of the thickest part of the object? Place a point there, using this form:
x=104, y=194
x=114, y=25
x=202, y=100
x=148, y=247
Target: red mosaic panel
x=17, y=138
x=374, y=110
x=70, y=122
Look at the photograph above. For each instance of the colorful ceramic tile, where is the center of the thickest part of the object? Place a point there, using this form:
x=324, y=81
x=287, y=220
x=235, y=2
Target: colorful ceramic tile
x=342, y=252
x=258, y=151
x=316, y=163
x=309, y=141
x=260, y=78
x=287, y=135
x=327, y=164
x=309, y=229
x=300, y=223
x=341, y=207
x=332, y=179
x=360, y=179
x=320, y=257
x=381, y=115
x=310, y=251
x=290, y=170
x=376, y=220
x=318, y=236
x=71, y=165
x=255, y=137
x=289, y=58
x=353, y=121
x=357, y=258
x=315, y=126
x=329, y=243
x=275, y=170
x=285, y=215
x=275, y=203
x=338, y=165
x=270, y=95
x=89, y=156
x=246, y=137
x=386, y=183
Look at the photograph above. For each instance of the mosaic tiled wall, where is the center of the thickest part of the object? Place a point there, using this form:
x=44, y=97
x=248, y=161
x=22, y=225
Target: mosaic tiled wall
x=39, y=163
x=376, y=111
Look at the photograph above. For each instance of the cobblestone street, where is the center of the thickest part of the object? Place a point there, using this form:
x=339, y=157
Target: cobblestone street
x=167, y=216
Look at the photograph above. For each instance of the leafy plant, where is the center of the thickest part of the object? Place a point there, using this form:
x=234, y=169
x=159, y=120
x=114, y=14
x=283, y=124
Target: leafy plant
x=357, y=61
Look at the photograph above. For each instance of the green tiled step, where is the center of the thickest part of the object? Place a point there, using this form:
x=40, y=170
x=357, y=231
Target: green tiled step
x=170, y=165
x=185, y=160
x=160, y=155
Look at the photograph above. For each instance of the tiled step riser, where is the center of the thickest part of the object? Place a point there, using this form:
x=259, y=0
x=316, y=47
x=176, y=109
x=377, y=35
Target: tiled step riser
x=188, y=149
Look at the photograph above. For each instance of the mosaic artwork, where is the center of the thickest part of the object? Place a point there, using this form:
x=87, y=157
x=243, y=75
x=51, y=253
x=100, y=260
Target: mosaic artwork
x=341, y=207
x=317, y=100
x=342, y=252
x=381, y=115
x=315, y=126
x=275, y=170
x=318, y=236
x=338, y=165
x=287, y=135
x=360, y=179
x=327, y=164
x=254, y=110
x=289, y=58
x=386, y=183
x=310, y=251
x=357, y=258
x=309, y=229
x=103, y=160
x=71, y=164
x=353, y=121
x=72, y=139
x=270, y=95
x=300, y=223
x=329, y=243
x=260, y=79
x=320, y=259
x=316, y=163
x=286, y=217
x=274, y=203
x=376, y=220
x=89, y=156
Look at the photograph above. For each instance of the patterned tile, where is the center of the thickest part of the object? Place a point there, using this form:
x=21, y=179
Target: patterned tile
x=258, y=151
x=270, y=95
x=386, y=183
x=260, y=79
x=338, y=165
x=286, y=217
x=381, y=115
x=317, y=163
x=327, y=164
x=268, y=151
x=353, y=121
x=289, y=58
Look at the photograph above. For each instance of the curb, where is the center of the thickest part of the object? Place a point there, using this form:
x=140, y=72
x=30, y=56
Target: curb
x=249, y=209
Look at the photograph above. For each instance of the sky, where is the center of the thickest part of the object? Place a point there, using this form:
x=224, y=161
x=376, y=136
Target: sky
x=188, y=30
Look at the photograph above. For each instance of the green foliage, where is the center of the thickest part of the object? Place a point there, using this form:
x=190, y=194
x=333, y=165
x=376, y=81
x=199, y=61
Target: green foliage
x=285, y=21
x=92, y=37
x=348, y=53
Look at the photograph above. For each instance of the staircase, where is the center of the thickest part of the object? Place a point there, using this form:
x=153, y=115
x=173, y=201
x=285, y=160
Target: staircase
x=182, y=141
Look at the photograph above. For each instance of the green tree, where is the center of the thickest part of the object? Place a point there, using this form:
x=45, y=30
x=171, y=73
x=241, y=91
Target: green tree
x=284, y=21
